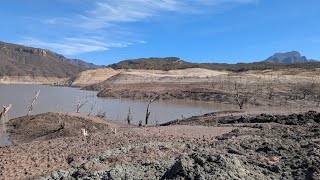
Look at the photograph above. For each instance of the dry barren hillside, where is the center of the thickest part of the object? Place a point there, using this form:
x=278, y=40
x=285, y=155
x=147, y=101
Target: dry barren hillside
x=95, y=76
x=26, y=64
x=133, y=76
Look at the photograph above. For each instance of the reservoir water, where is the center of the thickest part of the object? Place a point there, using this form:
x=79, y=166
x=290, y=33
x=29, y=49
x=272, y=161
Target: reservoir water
x=65, y=99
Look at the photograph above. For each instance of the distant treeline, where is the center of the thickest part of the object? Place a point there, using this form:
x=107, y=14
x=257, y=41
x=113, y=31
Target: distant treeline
x=173, y=63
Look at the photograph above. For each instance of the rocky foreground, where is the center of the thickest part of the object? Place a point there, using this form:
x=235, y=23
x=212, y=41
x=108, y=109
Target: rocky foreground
x=207, y=147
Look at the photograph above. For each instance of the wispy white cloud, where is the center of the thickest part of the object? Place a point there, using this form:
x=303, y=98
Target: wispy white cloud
x=110, y=16
x=71, y=46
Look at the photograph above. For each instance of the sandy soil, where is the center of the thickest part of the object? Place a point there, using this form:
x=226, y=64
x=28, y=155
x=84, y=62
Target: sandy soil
x=148, y=76
x=95, y=76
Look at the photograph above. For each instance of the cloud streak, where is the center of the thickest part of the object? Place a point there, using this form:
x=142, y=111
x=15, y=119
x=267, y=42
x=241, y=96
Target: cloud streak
x=110, y=17
x=71, y=46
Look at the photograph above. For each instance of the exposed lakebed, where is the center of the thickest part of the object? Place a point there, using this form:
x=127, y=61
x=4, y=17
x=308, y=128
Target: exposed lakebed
x=64, y=99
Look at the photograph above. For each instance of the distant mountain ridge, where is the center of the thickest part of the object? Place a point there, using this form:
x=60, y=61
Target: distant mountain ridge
x=291, y=59
x=18, y=60
x=288, y=58
x=166, y=63
x=23, y=61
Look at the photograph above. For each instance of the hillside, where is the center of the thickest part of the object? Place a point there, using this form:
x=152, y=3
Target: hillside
x=18, y=61
x=92, y=76
x=154, y=63
x=174, y=63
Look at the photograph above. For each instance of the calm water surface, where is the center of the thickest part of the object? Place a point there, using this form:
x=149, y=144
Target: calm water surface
x=64, y=99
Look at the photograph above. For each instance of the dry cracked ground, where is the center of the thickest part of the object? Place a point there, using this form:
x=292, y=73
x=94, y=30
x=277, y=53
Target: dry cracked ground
x=213, y=146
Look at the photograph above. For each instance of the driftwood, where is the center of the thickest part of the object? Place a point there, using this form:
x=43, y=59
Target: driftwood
x=4, y=114
x=33, y=101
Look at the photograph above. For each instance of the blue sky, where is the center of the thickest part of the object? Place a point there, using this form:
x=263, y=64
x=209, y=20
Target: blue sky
x=107, y=31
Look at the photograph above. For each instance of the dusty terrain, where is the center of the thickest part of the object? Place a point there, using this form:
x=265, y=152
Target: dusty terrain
x=89, y=77
x=287, y=87
x=211, y=146
x=280, y=141
x=133, y=76
x=293, y=87
x=37, y=154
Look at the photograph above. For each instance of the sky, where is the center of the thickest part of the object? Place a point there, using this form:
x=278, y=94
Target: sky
x=108, y=31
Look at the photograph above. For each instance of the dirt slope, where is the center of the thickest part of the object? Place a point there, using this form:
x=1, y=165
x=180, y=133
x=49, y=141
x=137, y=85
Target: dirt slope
x=48, y=126
x=95, y=76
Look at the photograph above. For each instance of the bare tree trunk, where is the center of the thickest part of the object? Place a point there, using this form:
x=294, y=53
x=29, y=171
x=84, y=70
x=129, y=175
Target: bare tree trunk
x=243, y=96
x=61, y=124
x=129, y=117
x=33, y=101
x=92, y=107
x=148, y=112
x=4, y=115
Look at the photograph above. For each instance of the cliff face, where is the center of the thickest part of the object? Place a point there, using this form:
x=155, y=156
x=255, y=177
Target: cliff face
x=26, y=63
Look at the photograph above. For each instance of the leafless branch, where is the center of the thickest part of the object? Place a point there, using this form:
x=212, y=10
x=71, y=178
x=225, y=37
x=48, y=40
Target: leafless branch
x=80, y=103
x=33, y=101
x=92, y=107
x=4, y=114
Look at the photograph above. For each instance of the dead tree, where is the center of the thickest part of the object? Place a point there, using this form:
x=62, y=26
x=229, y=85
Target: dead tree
x=270, y=91
x=156, y=120
x=148, y=112
x=33, y=101
x=92, y=107
x=129, y=117
x=4, y=114
x=101, y=114
x=140, y=123
x=80, y=103
x=61, y=124
x=309, y=89
x=244, y=94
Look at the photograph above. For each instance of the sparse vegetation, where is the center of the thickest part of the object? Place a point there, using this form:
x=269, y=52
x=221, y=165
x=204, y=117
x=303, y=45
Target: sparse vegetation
x=81, y=102
x=101, y=114
x=173, y=63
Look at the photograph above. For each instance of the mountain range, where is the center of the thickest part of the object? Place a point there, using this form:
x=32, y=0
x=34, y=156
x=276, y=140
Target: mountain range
x=18, y=60
x=291, y=59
